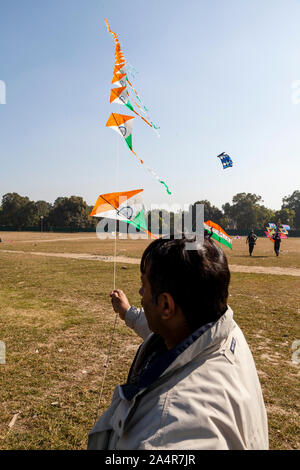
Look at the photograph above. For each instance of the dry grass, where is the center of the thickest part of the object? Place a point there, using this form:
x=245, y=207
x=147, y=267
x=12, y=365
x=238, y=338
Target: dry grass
x=88, y=243
x=263, y=254
x=56, y=321
x=71, y=243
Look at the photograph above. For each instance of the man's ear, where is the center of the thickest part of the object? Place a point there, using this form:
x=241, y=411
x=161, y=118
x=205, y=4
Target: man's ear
x=166, y=305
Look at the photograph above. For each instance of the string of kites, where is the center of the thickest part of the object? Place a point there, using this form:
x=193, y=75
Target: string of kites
x=121, y=93
x=122, y=123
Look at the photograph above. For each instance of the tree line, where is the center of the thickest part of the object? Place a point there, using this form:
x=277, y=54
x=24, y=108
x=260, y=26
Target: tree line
x=72, y=213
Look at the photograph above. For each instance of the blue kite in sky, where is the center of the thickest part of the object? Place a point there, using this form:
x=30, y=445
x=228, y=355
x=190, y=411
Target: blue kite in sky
x=226, y=160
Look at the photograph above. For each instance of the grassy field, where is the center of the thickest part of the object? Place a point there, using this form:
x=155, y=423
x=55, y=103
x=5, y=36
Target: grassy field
x=56, y=321
x=263, y=254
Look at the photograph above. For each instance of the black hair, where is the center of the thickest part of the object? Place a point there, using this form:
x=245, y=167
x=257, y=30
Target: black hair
x=198, y=280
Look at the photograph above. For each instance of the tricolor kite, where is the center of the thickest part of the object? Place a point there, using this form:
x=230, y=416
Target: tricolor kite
x=119, y=80
x=123, y=125
x=119, y=69
x=120, y=95
x=125, y=206
x=218, y=233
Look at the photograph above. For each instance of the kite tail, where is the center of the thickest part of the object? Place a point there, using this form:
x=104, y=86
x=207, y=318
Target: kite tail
x=162, y=182
x=143, y=108
x=151, y=234
x=158, y=179
x=137, y=104
x=147, y=122
x=152, y=172
x=137, y=95
x=131, y=70
x=139, y=159
x=107, y=24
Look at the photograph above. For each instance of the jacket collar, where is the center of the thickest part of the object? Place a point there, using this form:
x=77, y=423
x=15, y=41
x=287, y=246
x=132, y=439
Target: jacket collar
x=210, y=336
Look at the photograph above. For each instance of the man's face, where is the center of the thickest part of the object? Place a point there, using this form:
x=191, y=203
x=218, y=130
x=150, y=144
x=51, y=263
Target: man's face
x=149, y=304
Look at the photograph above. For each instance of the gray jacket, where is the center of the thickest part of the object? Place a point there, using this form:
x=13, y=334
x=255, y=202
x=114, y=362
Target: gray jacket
x=203, y=394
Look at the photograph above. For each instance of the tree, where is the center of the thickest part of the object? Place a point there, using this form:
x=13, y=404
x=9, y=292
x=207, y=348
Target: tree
x=72, y=213
x=264, y=216
x=210, y=212
x=42, y=208
x=285, y=216
x=225, y=222
x=18, y=211
x=293, y=202
x=245, y=212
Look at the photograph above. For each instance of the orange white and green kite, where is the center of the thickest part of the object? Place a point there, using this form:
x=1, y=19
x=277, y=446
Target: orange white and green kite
x=122, y=124
x=125, y=206
x=218, y=233
x=119, y=80
x=120, y=95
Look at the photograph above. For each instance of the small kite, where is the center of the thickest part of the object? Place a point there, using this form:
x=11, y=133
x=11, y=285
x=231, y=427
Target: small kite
x=125, y=206
x=225, y=159
x=119, y=69
x=119, y=80
x=282, y=229
x=218, y=233
x=120, y=95
x=270, y=235
x=122, y=124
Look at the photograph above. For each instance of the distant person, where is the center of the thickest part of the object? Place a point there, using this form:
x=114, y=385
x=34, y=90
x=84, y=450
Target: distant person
x=207, y=234
x=277, y=241
x=251, y=240
x=193, y=383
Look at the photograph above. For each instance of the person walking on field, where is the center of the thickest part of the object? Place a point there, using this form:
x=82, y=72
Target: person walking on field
x=251, y=240
x=193, y=384
x=277, y=241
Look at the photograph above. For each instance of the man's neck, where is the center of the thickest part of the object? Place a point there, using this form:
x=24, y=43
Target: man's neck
x=175, y=337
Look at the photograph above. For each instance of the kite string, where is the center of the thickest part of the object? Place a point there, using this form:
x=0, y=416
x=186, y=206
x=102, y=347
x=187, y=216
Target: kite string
x=114, y=286
x=117, y=183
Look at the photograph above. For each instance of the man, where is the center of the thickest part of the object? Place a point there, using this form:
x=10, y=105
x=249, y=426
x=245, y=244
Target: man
x=193, y=383
x=207, y=234
x=277, y=241
x=251, y=239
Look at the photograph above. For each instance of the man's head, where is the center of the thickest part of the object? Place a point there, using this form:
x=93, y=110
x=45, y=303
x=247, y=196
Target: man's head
x=194, y=283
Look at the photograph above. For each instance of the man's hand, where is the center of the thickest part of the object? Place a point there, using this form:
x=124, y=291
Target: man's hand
x=119, y=302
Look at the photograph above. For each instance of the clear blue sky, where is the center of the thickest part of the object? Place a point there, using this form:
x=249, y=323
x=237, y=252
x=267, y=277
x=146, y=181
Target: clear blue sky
x=216, y=75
